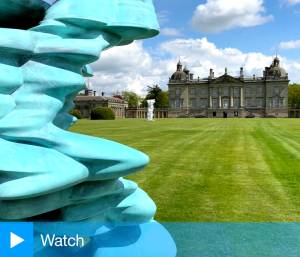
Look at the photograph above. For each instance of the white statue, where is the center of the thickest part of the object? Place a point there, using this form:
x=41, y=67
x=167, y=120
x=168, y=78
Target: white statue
x=150, y=112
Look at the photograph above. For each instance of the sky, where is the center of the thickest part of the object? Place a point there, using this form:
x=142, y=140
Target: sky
x=50, y=1
x=205, y=34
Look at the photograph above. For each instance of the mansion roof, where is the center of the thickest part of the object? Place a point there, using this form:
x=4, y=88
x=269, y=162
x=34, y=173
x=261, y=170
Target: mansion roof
x=87, y=98
x=273, y=72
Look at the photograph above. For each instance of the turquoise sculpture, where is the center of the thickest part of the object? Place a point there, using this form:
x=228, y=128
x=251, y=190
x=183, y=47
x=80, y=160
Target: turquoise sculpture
x=47, y=172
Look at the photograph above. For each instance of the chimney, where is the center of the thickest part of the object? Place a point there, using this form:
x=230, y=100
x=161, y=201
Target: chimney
x=254, y=77
x=211, y=74
x=95, y=93
x=102, y=93
x=226, y=71
x=89, y=92
x=242, y=72
x=191, y=76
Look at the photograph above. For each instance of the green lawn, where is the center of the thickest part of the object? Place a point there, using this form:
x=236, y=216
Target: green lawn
x=214, y=169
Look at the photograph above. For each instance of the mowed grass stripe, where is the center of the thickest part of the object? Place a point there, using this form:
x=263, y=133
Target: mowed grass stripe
x=284, y=163
x=185, y=184
x=262, y=191
x=214, y=169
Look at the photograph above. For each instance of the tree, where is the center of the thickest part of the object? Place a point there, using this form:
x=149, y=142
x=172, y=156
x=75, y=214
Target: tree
x=162, y=100
x=294, y=96
x=161, y=97
x=132, y=98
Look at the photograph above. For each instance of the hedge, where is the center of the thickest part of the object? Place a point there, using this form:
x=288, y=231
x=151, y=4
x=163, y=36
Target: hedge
x=102, y=113
x=76, y=113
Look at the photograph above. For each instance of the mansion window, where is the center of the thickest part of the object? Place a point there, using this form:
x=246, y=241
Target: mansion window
x=281, y=102
x=203, y=91
x=180, y=101
x=276, y=91
x=225, y=103
x=236, y=102
x=215, y=92
x=215, y=103
x=236, y=92
x=259, y=103
x=250, y=102
x=203, y=103
x=172, y=93
x=172, y=103
x=259, y=91
x=269, y=102
x=178, y=91
x=275, y=102
x=249, y=91
x=193, y=91
x=193, y=103
x=225, y=91
x=176, y=103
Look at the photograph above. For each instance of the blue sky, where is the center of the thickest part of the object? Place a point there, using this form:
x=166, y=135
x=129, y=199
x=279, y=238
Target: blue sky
x=206, y=34
x=264, y=38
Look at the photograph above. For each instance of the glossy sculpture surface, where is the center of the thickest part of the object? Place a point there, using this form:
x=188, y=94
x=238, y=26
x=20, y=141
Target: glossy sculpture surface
x=45, y=170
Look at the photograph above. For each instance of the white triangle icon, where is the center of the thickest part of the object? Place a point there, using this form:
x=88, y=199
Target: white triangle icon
x=15, y=240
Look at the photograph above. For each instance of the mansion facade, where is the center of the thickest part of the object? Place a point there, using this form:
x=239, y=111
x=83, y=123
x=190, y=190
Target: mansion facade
x=228, y=96
x=89, y=100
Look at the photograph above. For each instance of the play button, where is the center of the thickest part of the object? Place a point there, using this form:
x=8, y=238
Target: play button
x=15, y=240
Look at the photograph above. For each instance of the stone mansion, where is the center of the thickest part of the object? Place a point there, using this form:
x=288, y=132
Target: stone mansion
x=228, y=96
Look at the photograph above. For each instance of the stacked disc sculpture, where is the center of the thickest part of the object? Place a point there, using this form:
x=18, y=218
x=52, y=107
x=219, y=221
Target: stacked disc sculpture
x=47, y=172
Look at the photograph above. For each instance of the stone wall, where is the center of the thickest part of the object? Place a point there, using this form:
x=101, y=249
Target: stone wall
x=141, y=113
x=294, y=113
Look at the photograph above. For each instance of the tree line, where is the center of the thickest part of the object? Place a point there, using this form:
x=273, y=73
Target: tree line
x=153, y=92
x=294, y=96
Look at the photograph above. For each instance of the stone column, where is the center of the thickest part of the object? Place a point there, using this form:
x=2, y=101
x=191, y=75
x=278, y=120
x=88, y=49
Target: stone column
x=231, y=97
x=187, y=93
x=220, y=102
x=242, y=97
x=210, y=101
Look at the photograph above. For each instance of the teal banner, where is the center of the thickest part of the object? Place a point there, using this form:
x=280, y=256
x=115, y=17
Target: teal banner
x=150, y=240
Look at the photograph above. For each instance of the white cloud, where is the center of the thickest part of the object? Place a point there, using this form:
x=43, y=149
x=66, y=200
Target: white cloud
x=170, y=32
x=124, y=58
x=201, y=55
x=163, y=17
x=219, y=15
x=128, y=68
x=293, y=44
x=292, y=2
x=134, y=68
